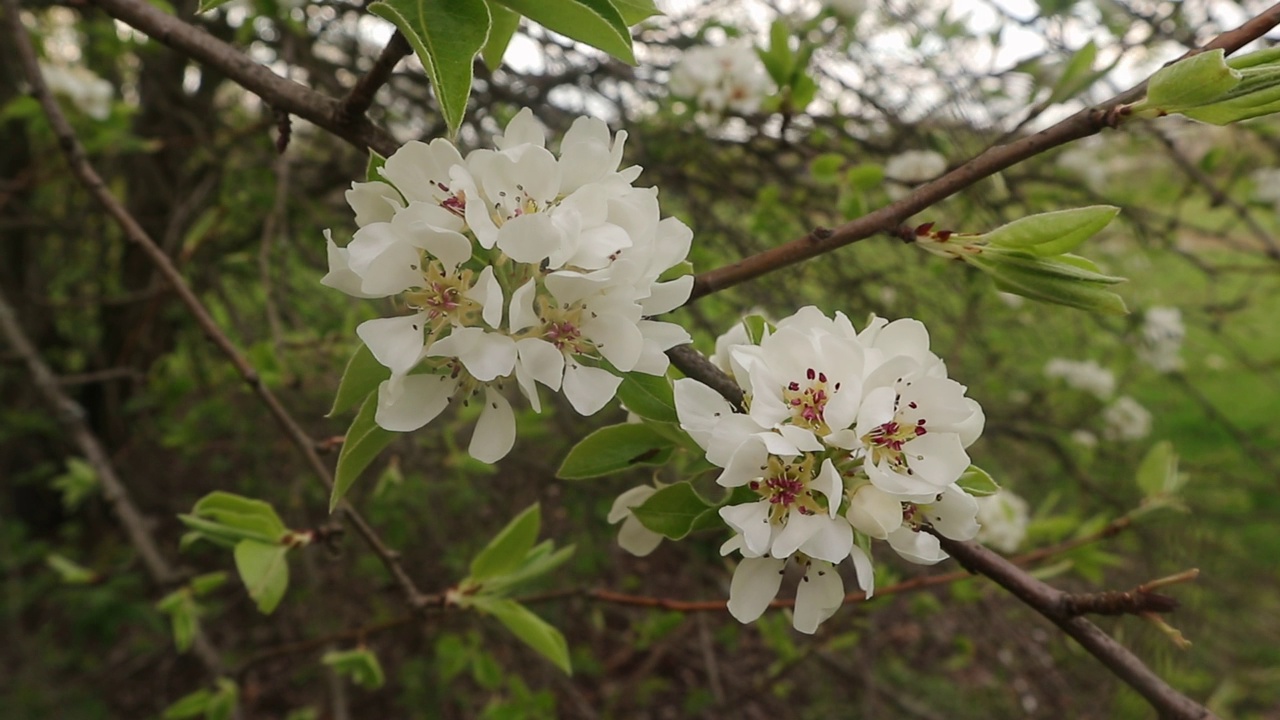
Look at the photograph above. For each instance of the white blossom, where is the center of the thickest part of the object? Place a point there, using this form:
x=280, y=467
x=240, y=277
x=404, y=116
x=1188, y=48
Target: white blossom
x=1161, y=338
x=88, y=92
x=515, y=265
x=1086, y=375
x=633, y=536
x=1126, y=419
x=1003, y=517
x=1266, y=185
x=727, y=77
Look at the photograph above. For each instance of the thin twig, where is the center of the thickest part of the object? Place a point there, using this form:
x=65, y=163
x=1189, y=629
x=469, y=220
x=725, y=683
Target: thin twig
x=359, y=100
x=114, y=491
x=89, y=177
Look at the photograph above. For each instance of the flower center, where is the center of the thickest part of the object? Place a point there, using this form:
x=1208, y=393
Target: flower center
x=441, y=297
x=887, y=440
x=454, y=202
x=808, y=401
x=785, y=485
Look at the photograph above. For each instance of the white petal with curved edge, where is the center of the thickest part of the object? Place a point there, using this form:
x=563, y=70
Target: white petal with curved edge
x=917, y=547
x=617, y=339
x=751, y=520
x=522, y=314
x=488, y=293
x=637, y=539
x=745, y=465
x=970, y=429
x=862, y=567
x=373, y=202
x=829, y=483
x=524, y=128
x=418, y=400
x=820, y=594
x=667, y=296
x=495, y=431
x=955, y=515
x=529, y=238
x=874, y=512
x=486, y=355
x=340, y=275
x=395, y=342
x=542, y=361
x=937, y=457
x=417, y=169
x=755, y=583
x=832, y=542
x=589, y=389
x=621, y=508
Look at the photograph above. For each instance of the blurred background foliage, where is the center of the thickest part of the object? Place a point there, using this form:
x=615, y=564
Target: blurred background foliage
x=194, y=158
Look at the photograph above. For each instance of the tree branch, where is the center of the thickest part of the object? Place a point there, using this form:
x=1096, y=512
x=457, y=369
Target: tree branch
x=1089, y=121
x=358, y=101
x=89, y=177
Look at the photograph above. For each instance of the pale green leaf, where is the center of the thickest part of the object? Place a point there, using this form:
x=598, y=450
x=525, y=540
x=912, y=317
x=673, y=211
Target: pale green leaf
x=533, y=630
x=207, y=583
x=1053, y=233
x=365, y=439
x=507, y=551
x=265, y=571
x=1194, y=81
x=222, y=704
x=360, y=664
x=1158, y=474
x=70, y=572
x=613, y=448
x=188, y=706
x=594, y=22
x=675, y=511
x=446, y=35
x=978, y=482
x=1077, y=74
x=633, y=11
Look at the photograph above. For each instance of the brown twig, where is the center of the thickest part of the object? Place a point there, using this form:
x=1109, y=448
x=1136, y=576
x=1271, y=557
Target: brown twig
x=358, y=101
x=72, y=417
x=1087, y=122
x=1051, y=603
x=89, y=177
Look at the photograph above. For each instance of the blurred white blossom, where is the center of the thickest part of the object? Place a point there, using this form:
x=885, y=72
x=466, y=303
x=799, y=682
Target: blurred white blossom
x=88, y=92
x=1086, y=375
x=915, y=166
x=1126, y=419
x=1162, y=336
x=726, y=77
x=1003, y=517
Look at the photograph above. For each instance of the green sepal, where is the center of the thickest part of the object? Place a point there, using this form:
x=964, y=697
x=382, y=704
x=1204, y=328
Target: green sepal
x=446, y=35
x=364, y=440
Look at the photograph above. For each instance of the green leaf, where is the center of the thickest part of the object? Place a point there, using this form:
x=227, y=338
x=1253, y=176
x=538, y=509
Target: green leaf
x=758, y=327
x=1062, y=267
x=361, y=665
x=222, y=704
x=1258, y=57
x=633, y=11
x=1194, y=81
x=594, y=22
x=238, y=511
x=265, y=571
x=362, y=377
x=778, y=60
x=1076, y=75
x=826, y=168
x=70, y=572
x=206, y=6
x=649, y=396
x=376, y=162
x=365, y=439
x=182, y=610
x=1258, y=94
x=675, y=511
x=207, y=583
x=1158, y=474
x=446, y=35
x=539, y=561
x=611, y=449
x=1053, y=233
x=507, y=551
x=503, y=28
x=978, y=482
x=76, y=484
x=188, y=706
x=1072, y=293
x=867, y=176
x=533, y=630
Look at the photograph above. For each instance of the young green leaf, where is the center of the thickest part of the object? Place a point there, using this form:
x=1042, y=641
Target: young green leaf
x=507, y=551
x=207, y=583
x=594, y=22
x=365, y=439
x=265, y=571
x=222, y=703
x=1077, y=74
x=446, y=35
x=362, y=377
x=758, y=328
x=189, y=706
x=613, y=448
x=1060, y=291
x=675, y=511
x=1158, y=474
x=76, y=484
x=1194, y=81
x=1053, y=233
x=978, y=482
x=238, y=511
x=533, y=630
x=633, y=11
x=72, y=573
x=182, y=610
x=649, y=396
x=360, y=664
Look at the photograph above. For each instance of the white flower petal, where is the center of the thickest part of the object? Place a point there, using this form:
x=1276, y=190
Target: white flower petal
x=621, y=508
x=486, y=355
x=395, y=342
x=751, y=520
x=667, y=296
x=495, y=432
x=874, y=512
x=413, y=402
x=589, y=389
x=746, y=464
x=937, y=457
x=755, y=583
x=373, y=202
x=917, y=547
x=488, y=293
x=637, y=539
x=862, y=566
x=340, y=275
x=522, y=312
x=529, y=238
x=820, y=594
x=617, y=339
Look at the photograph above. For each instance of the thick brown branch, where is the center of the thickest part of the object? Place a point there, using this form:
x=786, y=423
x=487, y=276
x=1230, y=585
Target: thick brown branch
x=280, y=93
x=1118, y=602
x=89, y=177
x=1051, y=603
x=1083, y=124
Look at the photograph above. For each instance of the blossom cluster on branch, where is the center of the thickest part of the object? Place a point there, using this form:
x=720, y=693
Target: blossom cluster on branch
x=844, y=436
x=511, y=264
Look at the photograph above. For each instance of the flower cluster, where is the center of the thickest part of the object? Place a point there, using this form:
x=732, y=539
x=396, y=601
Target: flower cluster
x=729, y=76
x=844, y=435
x=1162, y=336
x=512, y=263
x=88, y=92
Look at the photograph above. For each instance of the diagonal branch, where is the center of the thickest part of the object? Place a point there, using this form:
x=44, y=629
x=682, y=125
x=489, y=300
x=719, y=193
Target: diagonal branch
x=89, y=177
x=72, y=417
x=358, y=101
x=1089, y=121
